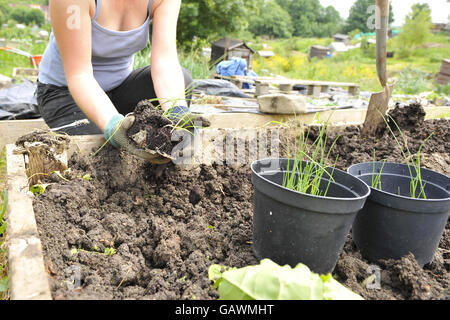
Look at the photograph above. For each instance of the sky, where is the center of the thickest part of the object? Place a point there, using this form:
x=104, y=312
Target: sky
x=440, y=8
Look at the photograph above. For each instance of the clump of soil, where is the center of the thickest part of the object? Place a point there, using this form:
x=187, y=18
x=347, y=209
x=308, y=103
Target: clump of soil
x=167, y=226
x=151, y=130
x=406, y=117
x=397, y=279
x=54, y=140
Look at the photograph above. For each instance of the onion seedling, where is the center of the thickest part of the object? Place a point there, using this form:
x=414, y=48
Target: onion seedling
x=307, y=177
x=416, y=186
x=376, y=177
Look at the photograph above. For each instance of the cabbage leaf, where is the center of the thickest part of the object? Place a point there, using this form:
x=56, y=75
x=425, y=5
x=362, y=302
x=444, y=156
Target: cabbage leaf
x=269, y=281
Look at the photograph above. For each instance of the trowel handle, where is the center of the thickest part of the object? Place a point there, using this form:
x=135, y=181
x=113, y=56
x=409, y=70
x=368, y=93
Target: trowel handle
x=382, y=27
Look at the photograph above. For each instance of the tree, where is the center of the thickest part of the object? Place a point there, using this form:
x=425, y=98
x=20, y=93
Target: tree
x=272, y=20
x=35, y=16
x=361, y=14
x=418, y=8
x=416, y=29
x=329, y=22
x=212, y=18
x=18, y=14
x=22, y=14
x=310, y=19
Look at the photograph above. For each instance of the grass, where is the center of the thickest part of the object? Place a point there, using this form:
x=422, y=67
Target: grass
x=413, y=72
x=9, y=60
x=192, y=60
x=3, y=251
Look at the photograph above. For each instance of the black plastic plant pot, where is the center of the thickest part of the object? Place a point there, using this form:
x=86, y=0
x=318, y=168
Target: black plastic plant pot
x=393, y=224
x=291, y=227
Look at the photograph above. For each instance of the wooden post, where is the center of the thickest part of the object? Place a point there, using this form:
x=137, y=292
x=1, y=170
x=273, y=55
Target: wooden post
x=314, y=90
x=325, y=88
x=261, y=89
x=353, y=91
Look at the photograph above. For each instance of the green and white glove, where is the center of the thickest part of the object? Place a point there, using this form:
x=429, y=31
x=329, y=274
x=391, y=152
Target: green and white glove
x=116, y=134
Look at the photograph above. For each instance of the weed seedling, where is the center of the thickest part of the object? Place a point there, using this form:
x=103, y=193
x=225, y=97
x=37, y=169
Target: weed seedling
x=108, y=251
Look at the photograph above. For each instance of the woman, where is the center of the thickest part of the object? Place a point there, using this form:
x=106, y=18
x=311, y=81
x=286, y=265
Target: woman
x=86, y=70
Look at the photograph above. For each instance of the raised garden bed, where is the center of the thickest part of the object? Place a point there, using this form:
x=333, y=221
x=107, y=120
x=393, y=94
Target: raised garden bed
x=127, y=229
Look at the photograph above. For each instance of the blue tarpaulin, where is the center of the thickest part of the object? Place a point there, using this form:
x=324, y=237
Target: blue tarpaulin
x=235, y=67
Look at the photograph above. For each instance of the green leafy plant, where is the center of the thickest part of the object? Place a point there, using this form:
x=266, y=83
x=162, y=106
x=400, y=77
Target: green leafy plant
x=307, y=177
x=269, y=281
x=3, y=212
x=4, y=283
x=39, y=189
x=4, y=280
x=109, y=252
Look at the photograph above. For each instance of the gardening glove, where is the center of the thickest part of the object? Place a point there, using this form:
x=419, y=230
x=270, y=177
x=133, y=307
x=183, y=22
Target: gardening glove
x=116, y=134
x=183, y=118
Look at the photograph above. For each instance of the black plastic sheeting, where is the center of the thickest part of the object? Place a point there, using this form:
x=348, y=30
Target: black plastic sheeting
x=217, y=87
x=19, y=102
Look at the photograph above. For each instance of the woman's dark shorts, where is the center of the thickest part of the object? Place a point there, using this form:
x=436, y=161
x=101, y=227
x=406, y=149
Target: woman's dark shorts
x=58, y=108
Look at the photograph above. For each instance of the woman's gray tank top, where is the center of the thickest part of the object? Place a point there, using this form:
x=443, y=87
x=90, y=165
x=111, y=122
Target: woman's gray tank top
x=112, y=54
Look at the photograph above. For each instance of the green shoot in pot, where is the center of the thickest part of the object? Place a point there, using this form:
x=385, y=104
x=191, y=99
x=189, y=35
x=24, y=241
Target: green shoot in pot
x=376, y=177
x=416, y=186
x=307, y=177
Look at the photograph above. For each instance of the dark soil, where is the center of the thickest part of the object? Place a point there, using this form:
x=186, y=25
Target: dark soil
x=169, y=225
x=166, y=230
x=156, y=127
x=350, y=148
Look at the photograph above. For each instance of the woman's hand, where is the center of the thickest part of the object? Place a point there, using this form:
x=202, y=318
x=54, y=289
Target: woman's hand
x=116, y=134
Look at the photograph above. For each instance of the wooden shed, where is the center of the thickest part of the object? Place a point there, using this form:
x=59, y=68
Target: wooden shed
x=342, y=38
x=318, y=51
x=443, y=77
x=227, y=48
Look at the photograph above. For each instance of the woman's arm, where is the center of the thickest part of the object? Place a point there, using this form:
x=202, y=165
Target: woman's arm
x=71, y=23
x=166, y=71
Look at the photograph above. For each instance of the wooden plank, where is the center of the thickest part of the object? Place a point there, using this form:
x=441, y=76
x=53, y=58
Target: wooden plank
x=247, y=120
x=309, y=82
x=26, y=264
x=85, y=144
x=11, y=130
